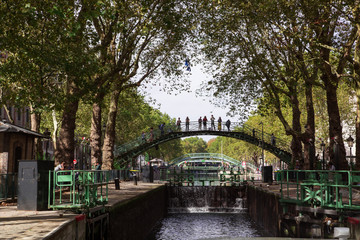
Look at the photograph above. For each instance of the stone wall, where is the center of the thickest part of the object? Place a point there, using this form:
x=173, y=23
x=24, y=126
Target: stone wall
x=264, y=208
x=73, y=229
x=134, y=219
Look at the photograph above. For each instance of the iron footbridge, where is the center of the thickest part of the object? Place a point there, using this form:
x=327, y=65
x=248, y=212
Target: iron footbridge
x=124, y=153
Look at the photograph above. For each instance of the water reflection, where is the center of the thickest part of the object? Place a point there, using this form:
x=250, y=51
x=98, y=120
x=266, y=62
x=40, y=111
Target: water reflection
x=184, y=226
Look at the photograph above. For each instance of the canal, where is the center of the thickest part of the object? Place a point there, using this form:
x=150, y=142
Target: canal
x=205, y=213
x=205, y=225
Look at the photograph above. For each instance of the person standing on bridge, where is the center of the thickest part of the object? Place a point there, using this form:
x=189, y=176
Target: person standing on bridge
x=273, y=140
x=212, y=119
x=151, y=138
x=228, y=124
x=161, y=127
x=204, y=122
x=143, y=137
x=200, y=122
x=187, y=123
x=219, y=123
x=178, y=124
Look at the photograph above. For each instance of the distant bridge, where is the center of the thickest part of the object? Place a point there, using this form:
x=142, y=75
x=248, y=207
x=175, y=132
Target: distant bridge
x=210, y=158
x=124, y=153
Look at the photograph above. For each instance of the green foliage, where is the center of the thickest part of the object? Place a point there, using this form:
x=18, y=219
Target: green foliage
x=194, y=145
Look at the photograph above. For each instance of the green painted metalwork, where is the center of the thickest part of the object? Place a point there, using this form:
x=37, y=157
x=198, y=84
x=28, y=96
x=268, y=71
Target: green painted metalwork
x=329, y=189
x=124, y=153
x=211, y=158
x=203, y=176
x=78, y=189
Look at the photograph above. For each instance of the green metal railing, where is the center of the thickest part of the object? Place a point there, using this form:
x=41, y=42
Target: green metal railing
x=235, y=127
x=78, y=189
x=8, y=186
x=211, y=158
x=201, y=176
x=328, y=189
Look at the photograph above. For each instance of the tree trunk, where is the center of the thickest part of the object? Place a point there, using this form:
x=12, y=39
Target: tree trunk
x=65, y=144
x=109, y=139
x=296, y=147
x=35, y=119
x=309, y=143
x=357, y=138
x=96, y=131
x=54, y=135
x=337, y=153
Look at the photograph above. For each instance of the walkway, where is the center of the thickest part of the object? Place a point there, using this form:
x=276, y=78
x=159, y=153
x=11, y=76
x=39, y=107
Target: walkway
x=18, y=224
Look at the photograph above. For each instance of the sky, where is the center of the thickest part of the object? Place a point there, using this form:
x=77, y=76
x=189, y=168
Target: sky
x=187, y=103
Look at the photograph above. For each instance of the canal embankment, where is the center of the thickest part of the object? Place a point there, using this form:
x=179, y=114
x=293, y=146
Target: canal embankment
x=21, y=224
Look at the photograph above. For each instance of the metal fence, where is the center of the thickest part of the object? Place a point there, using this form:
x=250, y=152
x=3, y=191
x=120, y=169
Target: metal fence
x=329, y=189
x=8, y=186
x=211, y=176
x=78, y=189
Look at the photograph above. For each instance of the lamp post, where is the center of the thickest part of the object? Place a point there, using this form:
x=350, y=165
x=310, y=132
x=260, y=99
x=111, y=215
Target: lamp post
x=350, y=142
x=262, y=148
x=47, y=134
x=323, y=154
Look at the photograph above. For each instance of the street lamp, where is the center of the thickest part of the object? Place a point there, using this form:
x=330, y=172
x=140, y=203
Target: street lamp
x=262, y=148
x=350, y=142
x=323, y=154
x=47, y=134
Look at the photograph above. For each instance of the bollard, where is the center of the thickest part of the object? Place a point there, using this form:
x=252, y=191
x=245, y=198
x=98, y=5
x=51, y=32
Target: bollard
x=135, y=179
x=117, y=184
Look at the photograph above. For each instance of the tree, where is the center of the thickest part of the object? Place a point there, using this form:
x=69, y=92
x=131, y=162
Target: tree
x=194, y=145
x=286, y=45
x=148, y=40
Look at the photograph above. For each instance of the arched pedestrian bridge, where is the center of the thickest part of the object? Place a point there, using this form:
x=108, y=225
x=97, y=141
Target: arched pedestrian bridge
x=124, y=153
x=209, y=159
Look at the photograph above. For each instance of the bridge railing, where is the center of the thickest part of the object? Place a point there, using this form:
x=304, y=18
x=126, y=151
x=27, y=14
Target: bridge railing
x=194, y=126
x=78, y=189
x=204, y=176
x=330, y=189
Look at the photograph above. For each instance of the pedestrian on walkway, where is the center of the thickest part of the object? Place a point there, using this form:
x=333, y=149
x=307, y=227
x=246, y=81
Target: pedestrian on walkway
x=178, y=124
x=273, y=140
x=212, y=119
x=143, y=137
x=228, y=124
x=204, y=122
x=187, y=123
x=151, y=138
x=200, y=123
x=60, y=167
x=161, y=127
x=219, y=123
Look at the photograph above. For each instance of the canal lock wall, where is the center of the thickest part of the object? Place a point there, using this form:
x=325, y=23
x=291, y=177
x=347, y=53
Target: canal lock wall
x=134, y=219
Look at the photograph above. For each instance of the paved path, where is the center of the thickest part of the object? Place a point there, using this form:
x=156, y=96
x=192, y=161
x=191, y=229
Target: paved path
x=19, y=224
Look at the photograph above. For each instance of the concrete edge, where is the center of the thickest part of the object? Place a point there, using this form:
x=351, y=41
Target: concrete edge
x=58, y=229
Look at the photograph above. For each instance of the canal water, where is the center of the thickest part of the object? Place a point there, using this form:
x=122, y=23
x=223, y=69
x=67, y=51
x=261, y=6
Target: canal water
x=206, y=225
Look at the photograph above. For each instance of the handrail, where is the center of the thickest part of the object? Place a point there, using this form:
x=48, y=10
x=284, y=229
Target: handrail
x=331, y=189
x=78, y=189
x=195, y=127
x=210, y=157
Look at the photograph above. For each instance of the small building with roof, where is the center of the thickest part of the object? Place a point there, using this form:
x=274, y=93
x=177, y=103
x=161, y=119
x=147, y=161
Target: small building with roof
x=16, y=143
